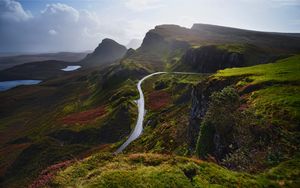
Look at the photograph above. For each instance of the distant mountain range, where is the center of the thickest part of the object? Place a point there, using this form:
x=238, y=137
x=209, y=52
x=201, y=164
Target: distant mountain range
x=106, y=53
x=7, y=61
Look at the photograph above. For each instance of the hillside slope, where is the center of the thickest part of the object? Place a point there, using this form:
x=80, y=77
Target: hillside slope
x=107, y=51
x=245, y=120
x=251, y=126
x=154, y=170
x=171, y=47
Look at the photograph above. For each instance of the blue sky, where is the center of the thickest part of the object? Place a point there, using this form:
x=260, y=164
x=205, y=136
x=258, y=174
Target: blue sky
x=78, y=25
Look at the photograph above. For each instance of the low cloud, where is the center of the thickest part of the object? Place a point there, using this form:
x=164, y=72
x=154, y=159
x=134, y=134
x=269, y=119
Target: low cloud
x=75, y=30
x=13, y=11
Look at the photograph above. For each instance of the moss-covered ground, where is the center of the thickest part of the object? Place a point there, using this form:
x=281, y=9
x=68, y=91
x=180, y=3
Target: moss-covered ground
x=156, y=170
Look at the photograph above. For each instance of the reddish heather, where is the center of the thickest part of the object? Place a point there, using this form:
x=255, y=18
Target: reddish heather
x=46, y=175
x=158, y=100
x=85, y=116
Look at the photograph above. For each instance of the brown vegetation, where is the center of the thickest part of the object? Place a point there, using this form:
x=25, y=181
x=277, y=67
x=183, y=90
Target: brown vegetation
x=85, y=116
x=158, y=100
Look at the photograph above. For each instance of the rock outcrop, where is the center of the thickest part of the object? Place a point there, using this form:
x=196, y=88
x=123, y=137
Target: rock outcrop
x=209, y=59
x=200, y=100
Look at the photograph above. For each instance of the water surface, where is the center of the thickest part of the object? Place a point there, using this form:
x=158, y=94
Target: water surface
x=6, y=85
x=71, y=68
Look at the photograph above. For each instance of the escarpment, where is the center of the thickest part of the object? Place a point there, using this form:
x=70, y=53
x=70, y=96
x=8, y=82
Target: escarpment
x=209, y=59
x=200, y=100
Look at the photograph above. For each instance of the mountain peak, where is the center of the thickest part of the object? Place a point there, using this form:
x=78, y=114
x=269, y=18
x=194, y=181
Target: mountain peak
x=107, y=51
x=108, y=41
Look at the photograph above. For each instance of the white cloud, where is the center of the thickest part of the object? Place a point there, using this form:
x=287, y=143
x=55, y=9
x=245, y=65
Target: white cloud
x=60, y=11
x=141, y=5
x=122, y=20
x=11, y=10
x=73, y=29
x=52, y=32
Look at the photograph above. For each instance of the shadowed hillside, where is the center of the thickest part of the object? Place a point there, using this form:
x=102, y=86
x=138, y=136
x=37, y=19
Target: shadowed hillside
x=108, y=51
x=164, y=47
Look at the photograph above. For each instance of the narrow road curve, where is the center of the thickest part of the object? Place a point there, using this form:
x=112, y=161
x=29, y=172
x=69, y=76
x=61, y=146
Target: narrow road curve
x=141, y=111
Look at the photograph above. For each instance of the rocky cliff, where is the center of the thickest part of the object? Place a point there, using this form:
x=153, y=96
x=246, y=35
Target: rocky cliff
x=209, y=59
x=200, y=101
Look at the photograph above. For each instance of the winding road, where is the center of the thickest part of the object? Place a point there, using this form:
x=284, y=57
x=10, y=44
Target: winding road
x=141, y=111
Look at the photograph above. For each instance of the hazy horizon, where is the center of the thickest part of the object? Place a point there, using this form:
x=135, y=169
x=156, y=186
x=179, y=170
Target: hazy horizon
x=75, y=26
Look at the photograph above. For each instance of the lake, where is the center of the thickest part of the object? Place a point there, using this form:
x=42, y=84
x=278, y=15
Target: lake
x=71, y=68
x=6, y=85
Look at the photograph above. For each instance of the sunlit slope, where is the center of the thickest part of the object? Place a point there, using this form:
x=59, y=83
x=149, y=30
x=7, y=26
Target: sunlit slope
x=155, y=170
x=274, y=87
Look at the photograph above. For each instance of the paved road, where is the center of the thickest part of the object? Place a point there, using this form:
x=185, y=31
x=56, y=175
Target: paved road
x=141, y=109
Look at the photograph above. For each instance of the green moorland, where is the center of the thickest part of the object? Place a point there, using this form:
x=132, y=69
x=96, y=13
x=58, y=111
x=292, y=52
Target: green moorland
x=256, y=118
x=273, y=98
x=274, y=88
x=156, y=170
x=84, y=109
x=62, y=118
x=168, y=102
x=77, y=115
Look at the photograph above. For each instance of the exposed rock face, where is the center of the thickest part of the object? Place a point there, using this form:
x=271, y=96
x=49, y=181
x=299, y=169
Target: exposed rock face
x=200, y=101
x=209, y=59
x=107, y=51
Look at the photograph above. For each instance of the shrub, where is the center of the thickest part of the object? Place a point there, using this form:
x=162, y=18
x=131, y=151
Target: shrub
x=215, y=137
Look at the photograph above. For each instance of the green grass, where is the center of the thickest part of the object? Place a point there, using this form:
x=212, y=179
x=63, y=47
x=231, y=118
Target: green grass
x=155, y=170
x=240, y=48
x=274, y=88
x=165, y=131
x=285, y=174
x=36, y=112
x=280, y=103
x=286, y=70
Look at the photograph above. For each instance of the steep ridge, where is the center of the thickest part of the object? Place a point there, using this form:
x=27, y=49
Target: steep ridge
x=270, y=41
x=107, y=51
x=164, y=46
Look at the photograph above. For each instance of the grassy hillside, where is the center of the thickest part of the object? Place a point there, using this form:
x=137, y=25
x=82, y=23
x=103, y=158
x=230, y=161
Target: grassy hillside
x=256, y=119
x=60, y=119
x=61, y=131
x=168, y=101
x=154, y=170
x=258, y=89
x=274, y=88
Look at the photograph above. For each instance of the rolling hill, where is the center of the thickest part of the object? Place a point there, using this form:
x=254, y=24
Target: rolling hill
x=11, y=61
